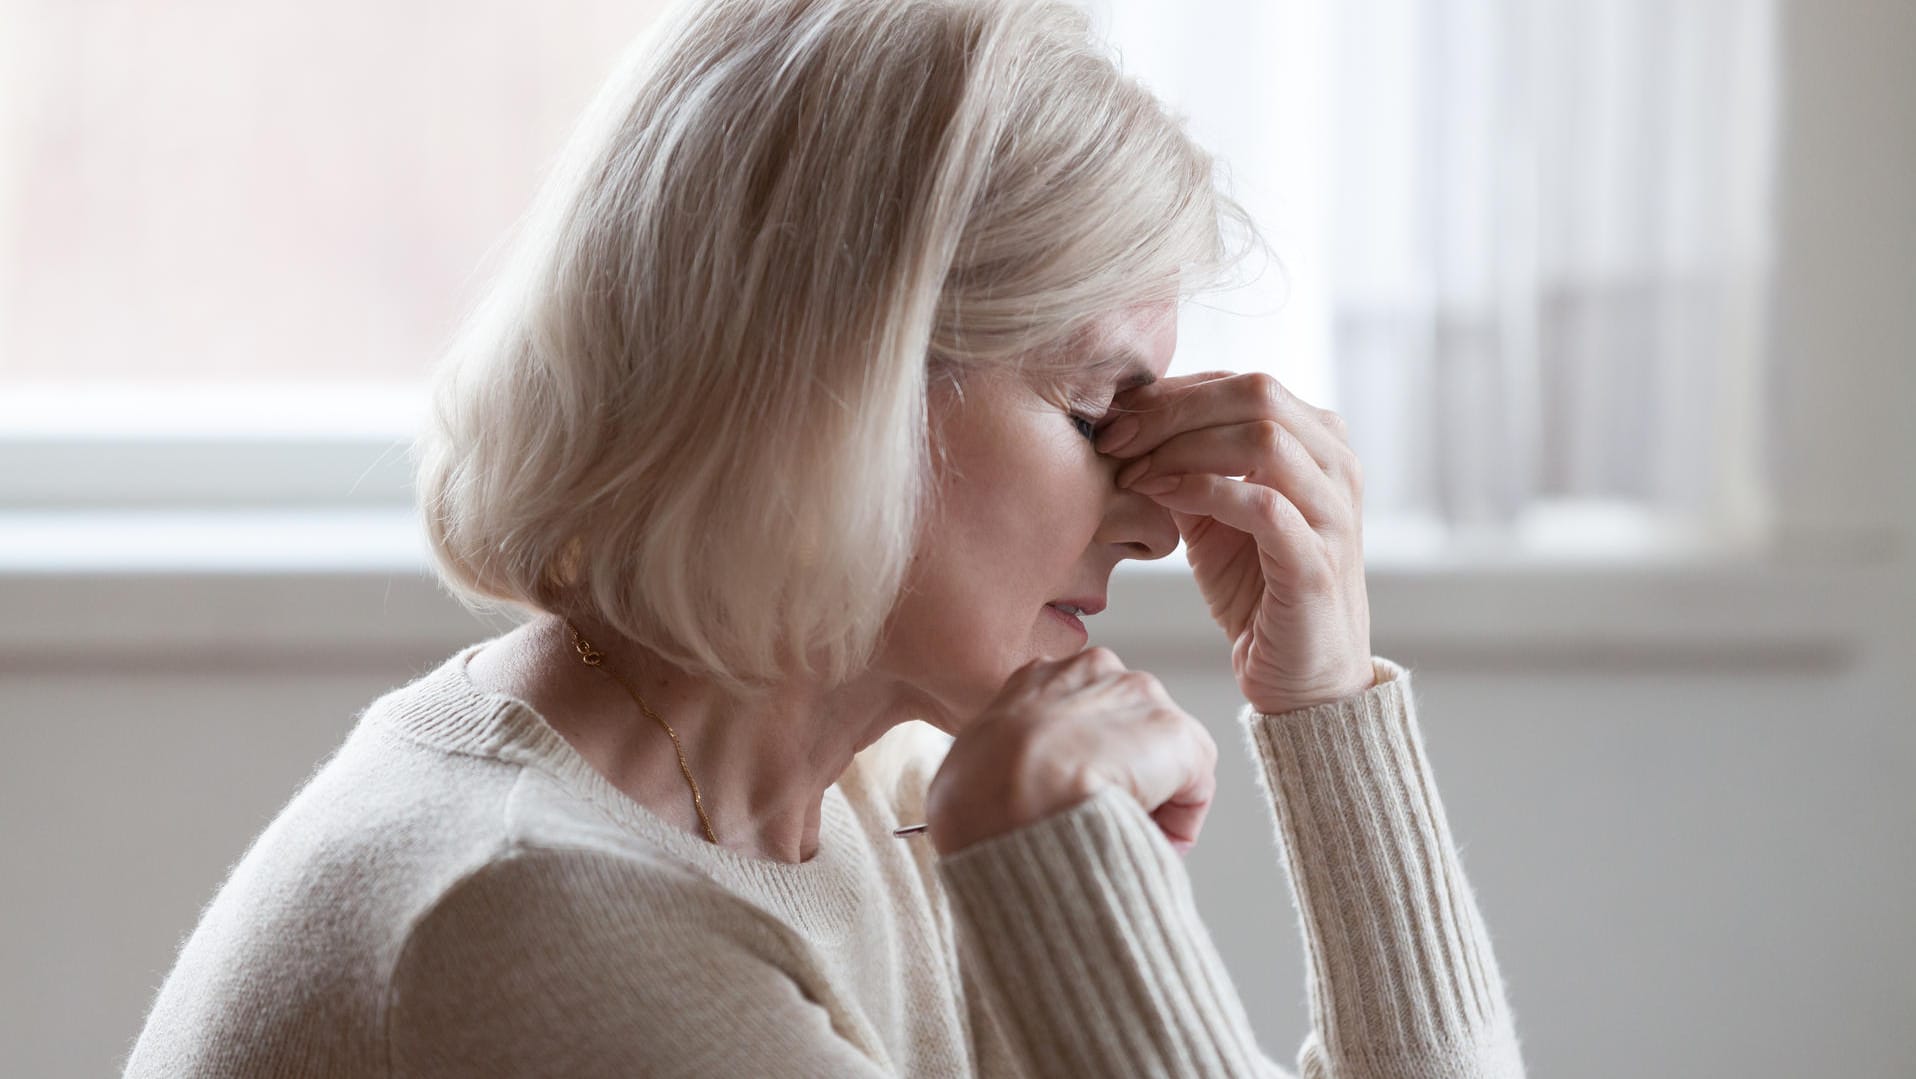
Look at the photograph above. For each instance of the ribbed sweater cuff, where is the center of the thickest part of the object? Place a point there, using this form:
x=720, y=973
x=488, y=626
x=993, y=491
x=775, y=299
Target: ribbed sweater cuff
x=1403, y=980
x=1090, y=950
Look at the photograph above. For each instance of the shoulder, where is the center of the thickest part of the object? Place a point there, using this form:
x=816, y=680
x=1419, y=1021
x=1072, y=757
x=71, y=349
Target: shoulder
x=291, y=950
x=529, y=906
x=544, y=954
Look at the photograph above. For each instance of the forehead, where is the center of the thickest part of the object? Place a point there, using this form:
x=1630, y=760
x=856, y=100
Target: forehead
x=1132, y=346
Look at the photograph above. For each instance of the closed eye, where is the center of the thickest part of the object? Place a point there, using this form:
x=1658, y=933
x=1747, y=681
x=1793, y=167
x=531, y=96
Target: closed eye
x=1086, y=427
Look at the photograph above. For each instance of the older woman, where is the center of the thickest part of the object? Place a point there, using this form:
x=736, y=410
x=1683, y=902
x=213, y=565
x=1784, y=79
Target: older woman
x=815, y=405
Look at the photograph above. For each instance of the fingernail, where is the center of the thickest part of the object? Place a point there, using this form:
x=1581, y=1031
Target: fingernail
x=1130, y=472
x=1158, y=485
x=1118, y=435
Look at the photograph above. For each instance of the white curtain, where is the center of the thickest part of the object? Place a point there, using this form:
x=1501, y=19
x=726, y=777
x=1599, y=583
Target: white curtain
x=1525, y=246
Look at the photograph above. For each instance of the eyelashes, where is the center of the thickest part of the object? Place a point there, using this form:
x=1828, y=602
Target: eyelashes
x=1086, y=427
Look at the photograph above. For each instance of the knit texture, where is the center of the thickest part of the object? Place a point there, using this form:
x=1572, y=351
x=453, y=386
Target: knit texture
x=457, y=892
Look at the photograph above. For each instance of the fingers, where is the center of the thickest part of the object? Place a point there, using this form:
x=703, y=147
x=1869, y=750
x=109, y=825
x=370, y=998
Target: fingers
x=1102, y=725
x=1277, y=526
x=1129, y=408
x=1169, y=407
x=1181, y=815
x=1262, y=451
x=1182, y=822
x=1073, y=672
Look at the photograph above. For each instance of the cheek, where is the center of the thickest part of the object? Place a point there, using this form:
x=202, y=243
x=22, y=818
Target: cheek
x=1028, y=510
x=975, y=613
x=957, y=643
x=1025, y=525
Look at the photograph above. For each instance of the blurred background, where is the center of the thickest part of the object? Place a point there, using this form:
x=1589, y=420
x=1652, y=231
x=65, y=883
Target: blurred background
x=1618, y=296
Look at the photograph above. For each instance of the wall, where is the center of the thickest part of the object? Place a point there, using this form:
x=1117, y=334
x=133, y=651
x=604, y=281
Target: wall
x=1694, y=859
x=1683, y=799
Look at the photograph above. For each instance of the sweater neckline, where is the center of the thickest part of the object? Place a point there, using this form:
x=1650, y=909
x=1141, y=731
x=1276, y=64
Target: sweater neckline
x=446, y=709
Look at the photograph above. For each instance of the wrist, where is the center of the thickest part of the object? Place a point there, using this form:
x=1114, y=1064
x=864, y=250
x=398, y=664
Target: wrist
x=961, y=812
x=1356, y=687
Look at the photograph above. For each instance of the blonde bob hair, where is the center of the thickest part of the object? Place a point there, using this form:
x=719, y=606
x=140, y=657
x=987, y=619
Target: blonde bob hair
x=693, y=403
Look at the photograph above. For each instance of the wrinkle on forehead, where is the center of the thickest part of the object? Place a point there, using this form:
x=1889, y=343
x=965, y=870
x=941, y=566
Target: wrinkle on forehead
x=1132, y=346
x=1114, y=352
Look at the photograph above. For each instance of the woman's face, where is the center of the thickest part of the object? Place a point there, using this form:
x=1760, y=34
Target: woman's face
x=1027, y=515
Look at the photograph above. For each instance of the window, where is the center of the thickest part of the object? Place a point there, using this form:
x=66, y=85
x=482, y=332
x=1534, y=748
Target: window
x=1527, y=250
x=1523, y=247
x=231, y=244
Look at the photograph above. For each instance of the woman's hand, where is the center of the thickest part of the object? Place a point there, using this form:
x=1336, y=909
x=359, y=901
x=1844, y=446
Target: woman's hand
x=1057, y=733
x=1279, y=555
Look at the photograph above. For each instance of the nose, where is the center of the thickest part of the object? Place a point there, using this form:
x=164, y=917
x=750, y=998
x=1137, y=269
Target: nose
x=1138, y=526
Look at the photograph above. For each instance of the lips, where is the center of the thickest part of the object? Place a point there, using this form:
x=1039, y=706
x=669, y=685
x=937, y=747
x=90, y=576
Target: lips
x=1084, y=604
x=1066, y=617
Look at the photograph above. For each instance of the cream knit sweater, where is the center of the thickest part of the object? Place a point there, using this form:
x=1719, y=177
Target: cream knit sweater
x=456, y=892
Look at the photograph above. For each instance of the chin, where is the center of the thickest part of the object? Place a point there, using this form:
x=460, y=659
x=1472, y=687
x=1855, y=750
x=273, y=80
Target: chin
x=1054, y=651
x=979, y=679
x=953, y=710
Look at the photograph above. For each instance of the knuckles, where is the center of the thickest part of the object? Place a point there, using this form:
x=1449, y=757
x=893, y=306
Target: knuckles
x=1267, y=436
x=1268, y=389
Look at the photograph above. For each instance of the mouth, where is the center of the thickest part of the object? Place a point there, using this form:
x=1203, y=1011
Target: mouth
x=1078, y=605
x=1071, y=611
x=1067, y=615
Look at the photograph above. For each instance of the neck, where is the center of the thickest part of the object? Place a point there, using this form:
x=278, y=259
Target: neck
x=762, y=767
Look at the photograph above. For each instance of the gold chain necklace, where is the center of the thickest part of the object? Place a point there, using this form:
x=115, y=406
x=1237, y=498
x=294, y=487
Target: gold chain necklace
x=592, y=657
x=595, y=658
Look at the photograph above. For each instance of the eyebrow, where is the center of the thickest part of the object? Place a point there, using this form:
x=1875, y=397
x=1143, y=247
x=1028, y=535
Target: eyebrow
x=1139, y=375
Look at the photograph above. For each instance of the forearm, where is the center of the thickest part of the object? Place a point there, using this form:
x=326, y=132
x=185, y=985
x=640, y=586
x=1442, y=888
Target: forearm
x=1083, y=935
x=1403, y=981
x=1085, y=938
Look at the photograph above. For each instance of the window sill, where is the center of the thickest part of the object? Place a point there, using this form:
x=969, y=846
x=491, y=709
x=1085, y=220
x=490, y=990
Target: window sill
x=285, y=587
